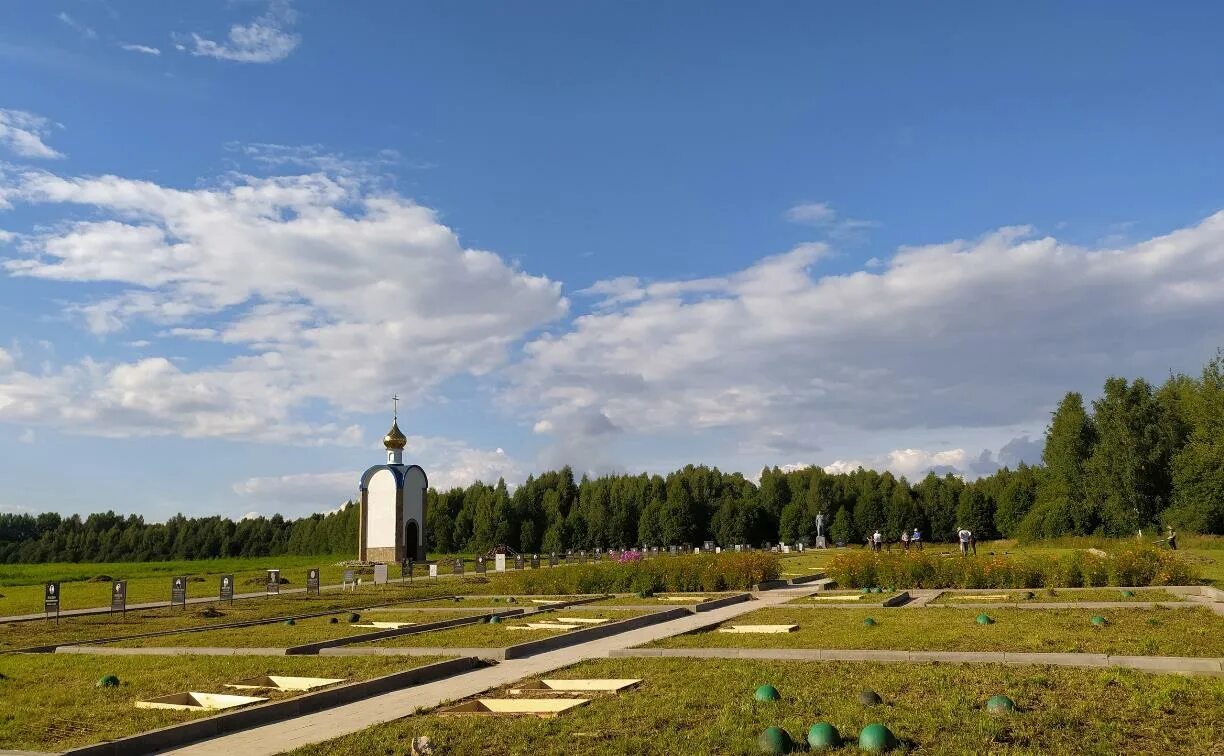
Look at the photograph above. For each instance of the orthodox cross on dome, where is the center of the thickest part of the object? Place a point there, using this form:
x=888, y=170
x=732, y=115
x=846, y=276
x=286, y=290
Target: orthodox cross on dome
x=394, y=407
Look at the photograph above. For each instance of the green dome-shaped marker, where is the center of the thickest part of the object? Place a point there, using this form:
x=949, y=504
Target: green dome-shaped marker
x=290, y=622
x=354, y=617
x=984, y=619
x=865, y=590
x=870, y=698
x=823, y=735
x=495, y=620
x=877, y=738
x=869, y=622
x=1099, y=621
x=1000, y=704
x=767, y=693
x=108, y=681
x=877, y=589
x=1128, y=594
x=774, y=740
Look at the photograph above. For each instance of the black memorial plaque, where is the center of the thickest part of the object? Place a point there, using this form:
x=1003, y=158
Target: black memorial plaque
x=552, y=559
x=227, y=588
x=119, y=596
x=480, y=565
x=518, y=562
x=273, y=582
x=457, y=567
x=406, y=568
x=51, y=599
x=535, y=561
x=312, y=581
x=178, y=592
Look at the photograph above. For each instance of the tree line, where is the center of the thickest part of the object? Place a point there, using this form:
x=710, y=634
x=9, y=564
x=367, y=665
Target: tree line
x=1138, y=457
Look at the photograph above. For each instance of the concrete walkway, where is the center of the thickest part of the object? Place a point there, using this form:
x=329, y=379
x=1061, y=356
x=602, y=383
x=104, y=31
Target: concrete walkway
x=325, y=725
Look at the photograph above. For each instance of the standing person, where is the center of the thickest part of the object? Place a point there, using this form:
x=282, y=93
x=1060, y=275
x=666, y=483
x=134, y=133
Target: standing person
x=916, y=539
x=964, y=536
x=905, y=539
x=878, y=540
x=973, y=542
x=1172, y=539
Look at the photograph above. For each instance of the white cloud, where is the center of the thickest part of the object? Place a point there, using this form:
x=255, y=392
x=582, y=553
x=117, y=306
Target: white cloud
x=27, y=436
x=77, y=26
x=144, y=49
x=331, y=288
x=822, y=215
x=23, y=134
x=969, y=334
x=266, y=39
x=447, y=463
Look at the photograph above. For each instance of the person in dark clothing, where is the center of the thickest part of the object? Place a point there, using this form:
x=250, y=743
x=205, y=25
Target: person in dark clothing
x=1172, y=539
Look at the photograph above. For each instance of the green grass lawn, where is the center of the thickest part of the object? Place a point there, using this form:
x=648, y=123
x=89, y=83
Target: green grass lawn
x=687, y=706
x=499, y=635
x=51, y=702
x=279, y=635
x=1131, y=631
x=490, y=601
x=81, y=629
x=662, y=601
x=1055, y=595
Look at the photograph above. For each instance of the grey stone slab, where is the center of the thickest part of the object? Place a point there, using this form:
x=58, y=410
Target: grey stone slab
x=1061, y=660
x=1169, y=663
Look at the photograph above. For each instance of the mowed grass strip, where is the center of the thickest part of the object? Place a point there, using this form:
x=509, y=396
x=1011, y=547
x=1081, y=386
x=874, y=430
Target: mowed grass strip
x=1054, y=595
x=280, y=635
x=687, y=706
x=500, y=635
x=1129, y=632
x=17, y=635
x=51, y=702
x=490, y=602
x=845, y=598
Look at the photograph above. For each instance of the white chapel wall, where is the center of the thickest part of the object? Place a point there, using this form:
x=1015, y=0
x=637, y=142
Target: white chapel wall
x=380, y=525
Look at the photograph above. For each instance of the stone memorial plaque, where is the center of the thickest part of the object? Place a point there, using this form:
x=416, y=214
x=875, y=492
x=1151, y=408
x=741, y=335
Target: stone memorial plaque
x=499, y=562
x=535, y=561
x=552, y=559
x=349, y=580
x=380, y=573
x=480, y=565
x=457, y=567
x=227, y=588
x=406, y=569
x=119, y=596
x=708, y=546
x=518, y=562
x=178, y=592
x=433, y=570
x=273, y=582
x=312, y=581
x=569, y=557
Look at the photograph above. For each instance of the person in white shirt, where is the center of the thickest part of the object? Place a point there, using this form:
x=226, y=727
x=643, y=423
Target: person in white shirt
x=877, y=540
x=964, y=536
x=904, y=539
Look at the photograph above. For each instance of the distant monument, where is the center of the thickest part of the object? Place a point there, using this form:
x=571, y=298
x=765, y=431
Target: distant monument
x=392, y=526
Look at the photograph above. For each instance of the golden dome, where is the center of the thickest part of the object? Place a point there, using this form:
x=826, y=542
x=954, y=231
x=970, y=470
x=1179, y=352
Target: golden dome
x=395, y=439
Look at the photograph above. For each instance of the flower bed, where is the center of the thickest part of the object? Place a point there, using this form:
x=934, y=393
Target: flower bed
x=1128, y=566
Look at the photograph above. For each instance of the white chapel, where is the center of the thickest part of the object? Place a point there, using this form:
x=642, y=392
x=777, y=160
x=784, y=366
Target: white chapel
x=392, y=526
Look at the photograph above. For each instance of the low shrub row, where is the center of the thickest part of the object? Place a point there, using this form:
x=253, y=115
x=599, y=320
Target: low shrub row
x=1130, y=565
x=697, y=572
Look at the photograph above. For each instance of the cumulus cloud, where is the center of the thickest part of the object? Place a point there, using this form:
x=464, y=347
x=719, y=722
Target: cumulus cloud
x=329, y=287
x=266, y=39
x=986, y=333
x=22, y=133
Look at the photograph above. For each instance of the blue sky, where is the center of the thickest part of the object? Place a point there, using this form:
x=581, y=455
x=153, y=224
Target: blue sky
x=621, y=236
